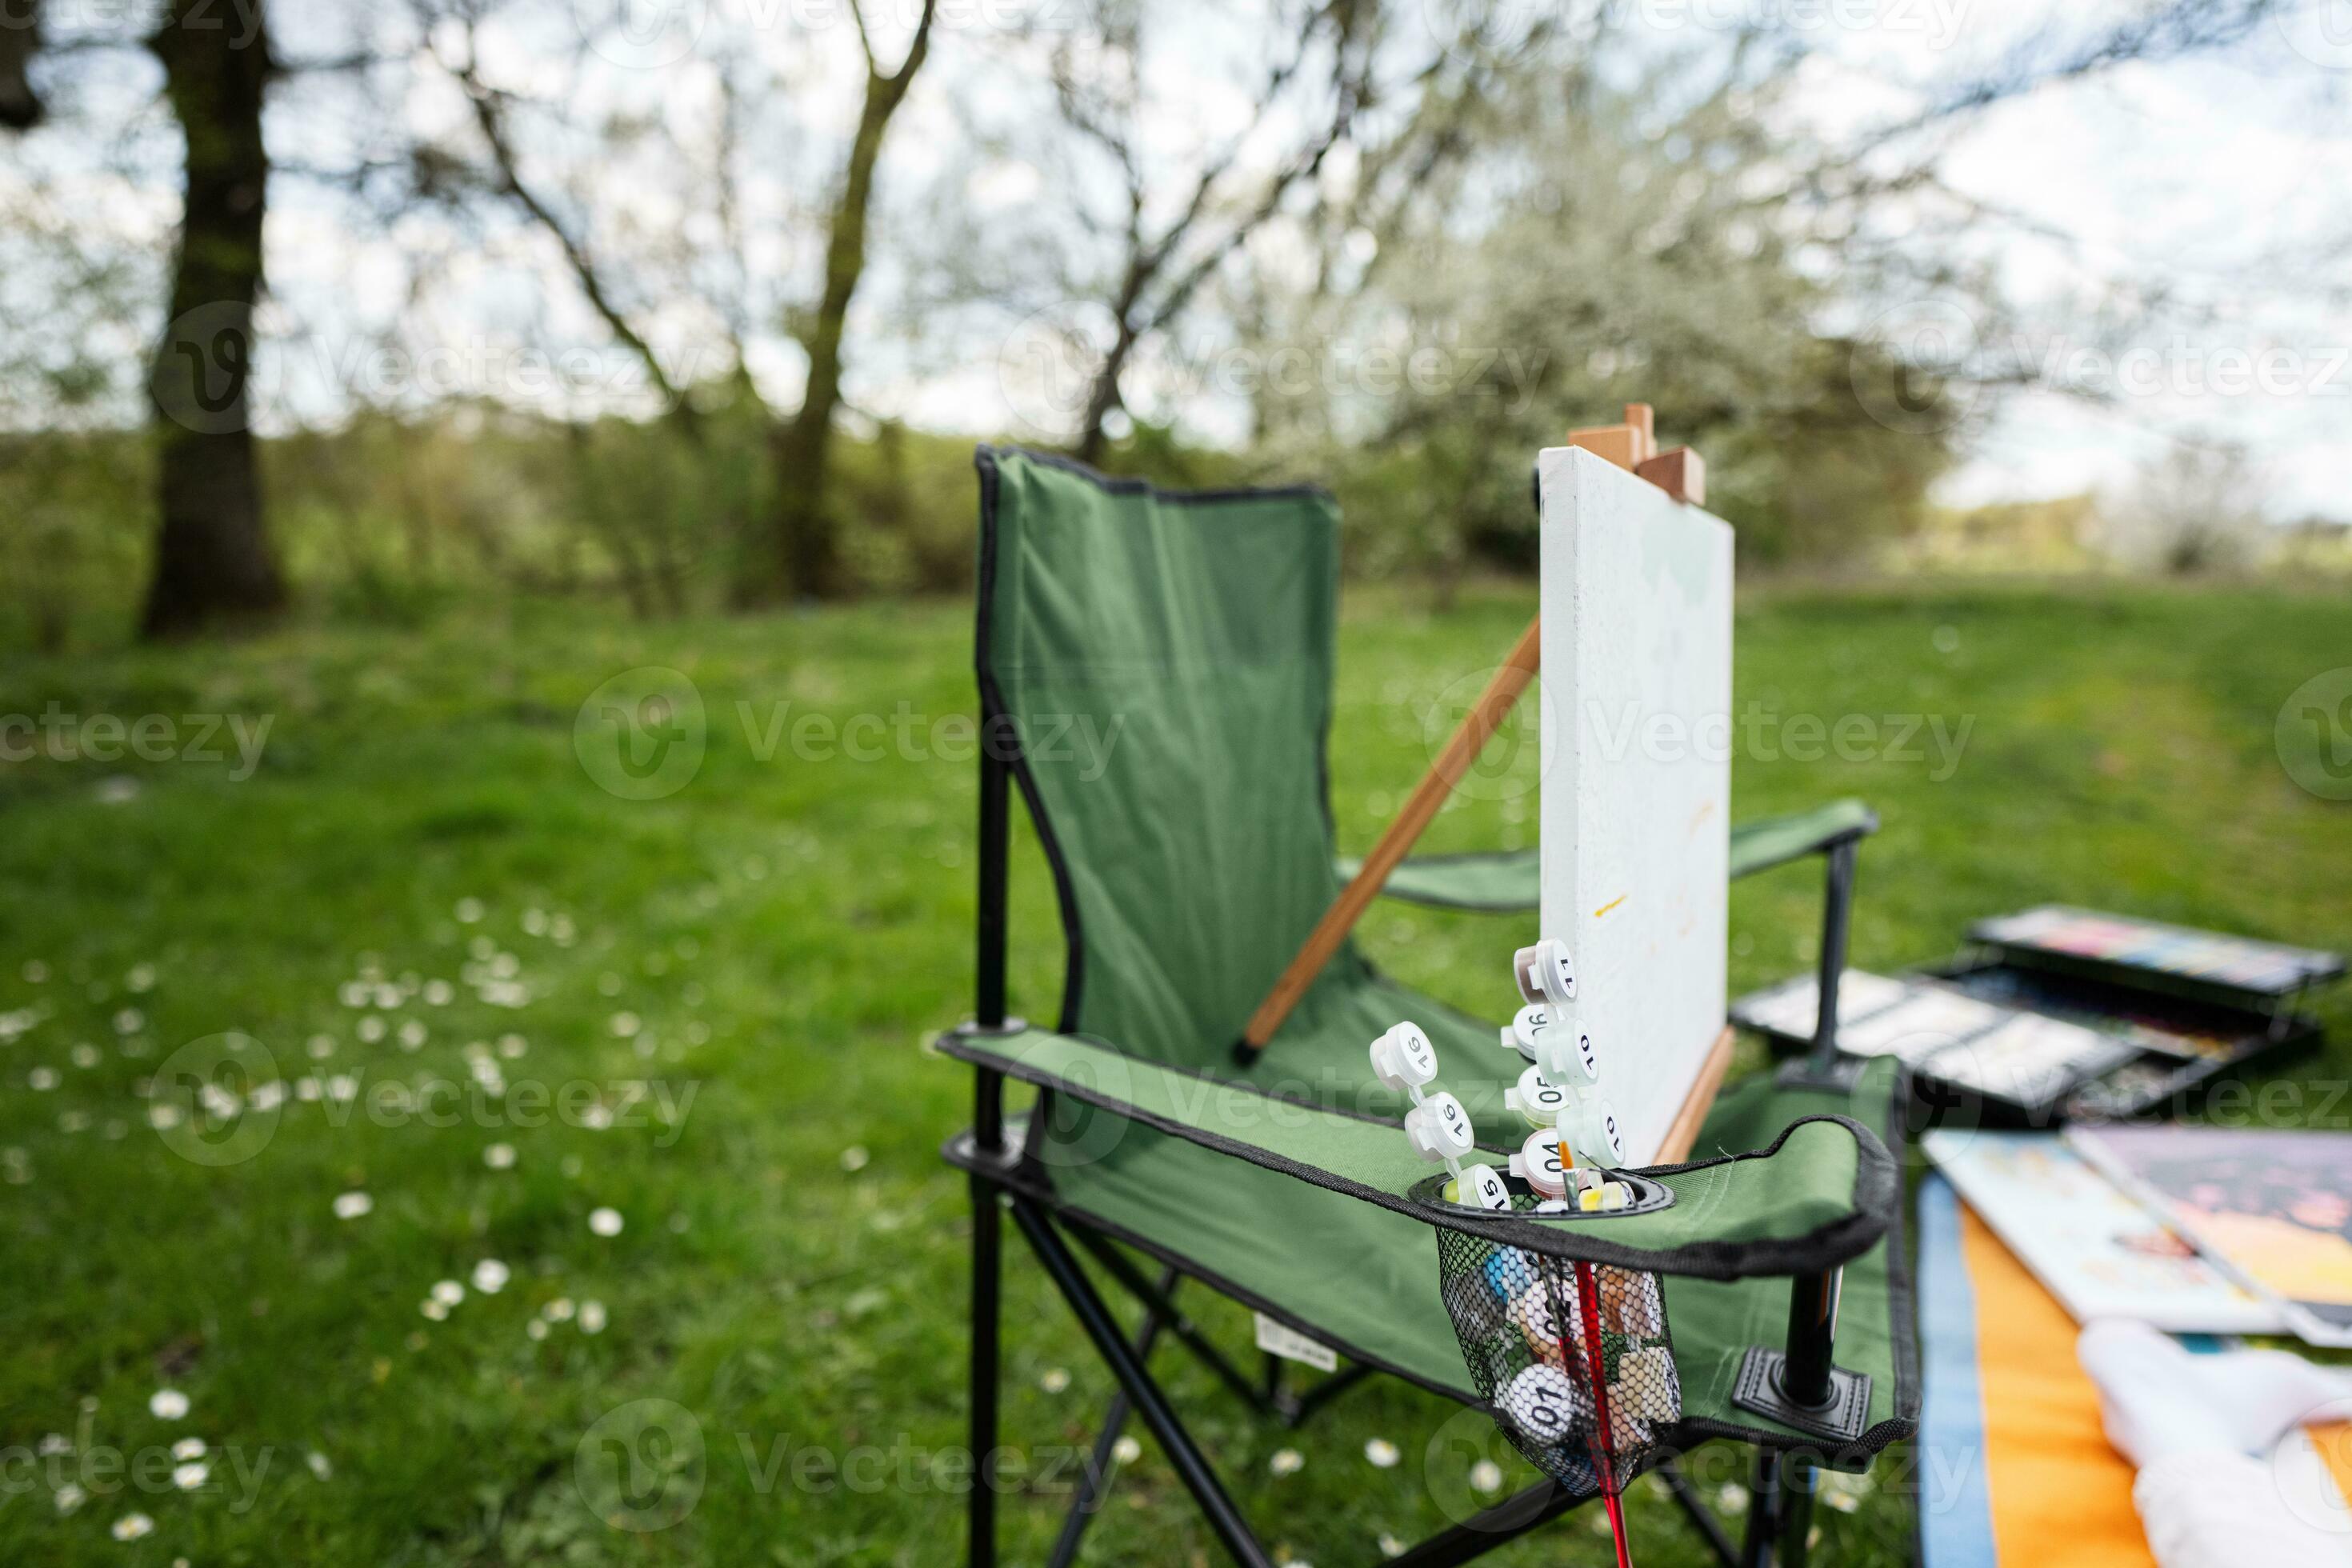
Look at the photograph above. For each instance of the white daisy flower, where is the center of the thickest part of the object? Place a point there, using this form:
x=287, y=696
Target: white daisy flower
x=512, y=1047
x=1389, y=1545
x=592, y=1317
x=69, y=1497
x=1127, y=1450
x=320, y=1465
x=167, y=1404
x=53, y=1445
x=435, y=1311
x=536, y=1329
x=1382, y=1453
x=606, y=1222
x=141, y=978
x=558, y=1311
x=188, y=1478
x=370, y=1030
x=1486, y=1477
x=188, y=1449
x=854, y=1157
x=164, y=1115
x=85, y=1054
x=353, y=1205
x=321, y=1047
x=1286, y=1462
x=490, y=1276
x=625, y=1024
x=499, y=1156
x=412, y=1034
x=132, y=1526
x=440, y=993
x=42, y=1078
x=448, y=1292
x=1054, y=1381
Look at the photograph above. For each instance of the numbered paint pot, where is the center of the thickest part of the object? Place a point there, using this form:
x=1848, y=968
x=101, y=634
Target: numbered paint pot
x=1404, y=1058
x=1519, y=1034
x=1544, y=1407
x=1545, y=973
x=1439, y=1129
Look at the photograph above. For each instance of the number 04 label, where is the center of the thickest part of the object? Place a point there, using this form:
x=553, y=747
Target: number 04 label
x=1280, y=1338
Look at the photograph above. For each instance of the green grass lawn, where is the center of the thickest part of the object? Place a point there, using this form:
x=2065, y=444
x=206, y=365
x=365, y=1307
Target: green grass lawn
x=708, y=1012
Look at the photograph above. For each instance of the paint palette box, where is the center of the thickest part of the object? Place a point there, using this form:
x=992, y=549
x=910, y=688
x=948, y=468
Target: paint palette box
x=2212, y=966
x=2061, y=1015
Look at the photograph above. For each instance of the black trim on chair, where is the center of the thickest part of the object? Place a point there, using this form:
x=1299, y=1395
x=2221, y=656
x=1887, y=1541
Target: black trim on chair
x=1876, y=1182
x=992, y=709
x=991, y=695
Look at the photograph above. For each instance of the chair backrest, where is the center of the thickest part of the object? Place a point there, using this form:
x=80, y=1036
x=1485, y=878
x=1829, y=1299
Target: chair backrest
x=1167, y=661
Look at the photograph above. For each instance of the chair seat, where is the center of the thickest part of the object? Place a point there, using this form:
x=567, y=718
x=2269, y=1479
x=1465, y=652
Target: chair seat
x=1283, y=1189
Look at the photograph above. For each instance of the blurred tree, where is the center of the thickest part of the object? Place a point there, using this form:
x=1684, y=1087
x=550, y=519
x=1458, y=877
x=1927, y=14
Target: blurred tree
x=2198, y=508
x=807, y=527
x=20, y=39
x=1176, y=228
x=722, y=270
x=212, y=558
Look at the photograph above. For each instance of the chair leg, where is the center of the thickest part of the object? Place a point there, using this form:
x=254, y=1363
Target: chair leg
x=1096, y=1481
x=1702, y=1517
x=1187, y=1332
x=1224, y=1519
x=1779, y=1512
x=1298, y=1407
x=1837, y=909
x=987, y=1267
x=1493, y=1528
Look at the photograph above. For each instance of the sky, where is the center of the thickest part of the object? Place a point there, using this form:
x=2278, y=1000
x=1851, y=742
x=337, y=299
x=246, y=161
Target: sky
x=2226, y=181
x=2222, y=185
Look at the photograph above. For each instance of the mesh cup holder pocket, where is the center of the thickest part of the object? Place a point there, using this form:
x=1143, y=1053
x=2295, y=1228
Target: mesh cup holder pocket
x=1521, y=1319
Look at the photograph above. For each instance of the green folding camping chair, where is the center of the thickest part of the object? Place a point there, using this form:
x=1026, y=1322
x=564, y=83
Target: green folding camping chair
x=1188, y=865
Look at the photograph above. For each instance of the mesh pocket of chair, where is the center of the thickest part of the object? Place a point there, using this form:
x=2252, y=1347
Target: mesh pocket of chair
x=1526, y=1332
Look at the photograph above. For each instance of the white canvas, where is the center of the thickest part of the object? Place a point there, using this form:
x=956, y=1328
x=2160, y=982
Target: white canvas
x=1635, y=702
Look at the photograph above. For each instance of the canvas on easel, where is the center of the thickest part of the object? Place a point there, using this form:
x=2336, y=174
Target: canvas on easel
x=1636, y=794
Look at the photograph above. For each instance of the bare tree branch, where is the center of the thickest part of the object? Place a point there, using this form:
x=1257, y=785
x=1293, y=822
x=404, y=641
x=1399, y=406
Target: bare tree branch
x=489, y=106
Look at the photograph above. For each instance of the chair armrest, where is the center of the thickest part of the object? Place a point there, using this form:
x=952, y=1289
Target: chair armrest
x=1770, y=841
x=1820, y=1194
x=1499, y=881
x=1505, y=881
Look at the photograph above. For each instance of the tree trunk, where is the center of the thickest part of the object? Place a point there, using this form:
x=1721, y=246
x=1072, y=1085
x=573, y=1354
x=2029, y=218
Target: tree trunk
x=1103, y=396
x=20, y=36
x=212, y=558
x=807, y=532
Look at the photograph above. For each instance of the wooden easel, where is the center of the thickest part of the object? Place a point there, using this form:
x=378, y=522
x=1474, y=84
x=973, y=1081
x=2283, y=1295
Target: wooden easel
x=1680, y=473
